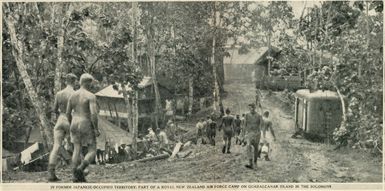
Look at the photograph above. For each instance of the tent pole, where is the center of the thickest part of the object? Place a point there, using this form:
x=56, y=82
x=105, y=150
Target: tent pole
x=117, y=115
x=109, y=109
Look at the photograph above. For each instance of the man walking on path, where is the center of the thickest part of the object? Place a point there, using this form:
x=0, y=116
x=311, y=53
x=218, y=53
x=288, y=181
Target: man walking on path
x=237, y=129
x=228, y=130
x=82, y=113
x=242, y=136
x=62, y=127
x=253, y=122
x=211, y=131
x=267, y=139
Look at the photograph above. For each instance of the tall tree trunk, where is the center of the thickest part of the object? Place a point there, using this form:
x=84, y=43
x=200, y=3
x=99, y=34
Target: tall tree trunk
x=17, y=51
x=151, y=50
x=66, y=7
x=216, y=95
x=135, y=99
x=269, y=42
x=367, y=40
x=344, y=119
x=128, y=108
x=190, y=95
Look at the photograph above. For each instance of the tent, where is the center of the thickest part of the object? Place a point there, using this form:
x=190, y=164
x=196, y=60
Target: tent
x=8, y=158
x=111, y=133
x=108, y=131
x=34, y=137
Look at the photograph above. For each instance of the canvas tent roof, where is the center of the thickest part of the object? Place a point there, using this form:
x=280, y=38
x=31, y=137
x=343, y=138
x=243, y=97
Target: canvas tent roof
x=6, y=153
x=112, y=133
x=109, y=91
x=108, y=131
x=34, y=136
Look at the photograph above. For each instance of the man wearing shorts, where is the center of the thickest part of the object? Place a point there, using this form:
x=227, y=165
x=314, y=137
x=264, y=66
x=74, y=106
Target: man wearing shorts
x=82, y=113
x=267, y=139
x=237, y=129
x=228, y=130
x=253, y=122
x=62, y=127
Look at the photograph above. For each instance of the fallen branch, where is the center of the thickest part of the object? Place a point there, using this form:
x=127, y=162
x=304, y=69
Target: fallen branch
x=158, y=157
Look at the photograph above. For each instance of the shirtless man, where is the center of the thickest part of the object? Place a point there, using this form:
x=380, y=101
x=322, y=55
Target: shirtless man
x=82, y=113
x=237, y=129
x=253, y=124
x=62, y=127
x=228, y=130
x=266, y=138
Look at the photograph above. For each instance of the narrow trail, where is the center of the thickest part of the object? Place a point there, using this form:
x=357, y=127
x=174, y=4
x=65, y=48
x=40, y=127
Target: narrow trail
x=293, y=160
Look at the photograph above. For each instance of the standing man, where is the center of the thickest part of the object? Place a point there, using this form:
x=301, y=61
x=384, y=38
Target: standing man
x=199, y=127
x=237, y=129
x=62, y=127
x=242, y=136
x=82, y=113
x=253, y=122
x=211, y=130
x=228, y=130
x=267, y=139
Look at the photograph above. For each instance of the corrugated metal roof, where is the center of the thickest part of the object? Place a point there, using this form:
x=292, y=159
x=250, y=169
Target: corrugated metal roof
x=249, y=58
x=109, y=91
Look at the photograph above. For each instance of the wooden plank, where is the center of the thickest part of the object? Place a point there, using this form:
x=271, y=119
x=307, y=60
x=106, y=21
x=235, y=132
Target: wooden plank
x=176, y=150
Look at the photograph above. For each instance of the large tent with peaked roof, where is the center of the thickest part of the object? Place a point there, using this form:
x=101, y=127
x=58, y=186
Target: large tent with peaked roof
x=113, y=107
x=112, y=134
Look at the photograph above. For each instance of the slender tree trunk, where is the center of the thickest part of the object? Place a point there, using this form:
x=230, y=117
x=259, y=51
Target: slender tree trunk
x=269, y=42
x=151, y=50
x=17, y=51
x=135, y=99
x=344, y=119
x=216, y=86
x=135, y=124
x=190, y=95
x=367, y=40
x=128, y=107
x=60, y=47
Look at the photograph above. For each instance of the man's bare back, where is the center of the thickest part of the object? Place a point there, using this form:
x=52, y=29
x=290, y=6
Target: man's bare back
x=60, y=107
x=84, y=117
x=62, y=127
x=82, y=113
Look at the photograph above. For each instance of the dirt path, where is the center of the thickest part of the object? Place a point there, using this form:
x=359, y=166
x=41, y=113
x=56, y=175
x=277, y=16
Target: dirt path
x=293, y=160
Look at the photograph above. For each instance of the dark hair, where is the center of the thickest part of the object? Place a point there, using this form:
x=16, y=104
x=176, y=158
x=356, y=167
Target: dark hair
x=227, y=111
x=266, y=113
x=243, y=115
x=70, y=78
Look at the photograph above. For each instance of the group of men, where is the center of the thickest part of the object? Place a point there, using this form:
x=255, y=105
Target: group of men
x=247, y=130
x=77, y=117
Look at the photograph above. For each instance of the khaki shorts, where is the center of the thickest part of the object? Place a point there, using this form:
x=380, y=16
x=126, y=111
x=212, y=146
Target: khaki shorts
x=61, y=129
x=82, y=132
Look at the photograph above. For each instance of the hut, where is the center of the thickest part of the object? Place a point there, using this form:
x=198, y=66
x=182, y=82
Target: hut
x=317, y=113
x=113, y=107
x=247, y=65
